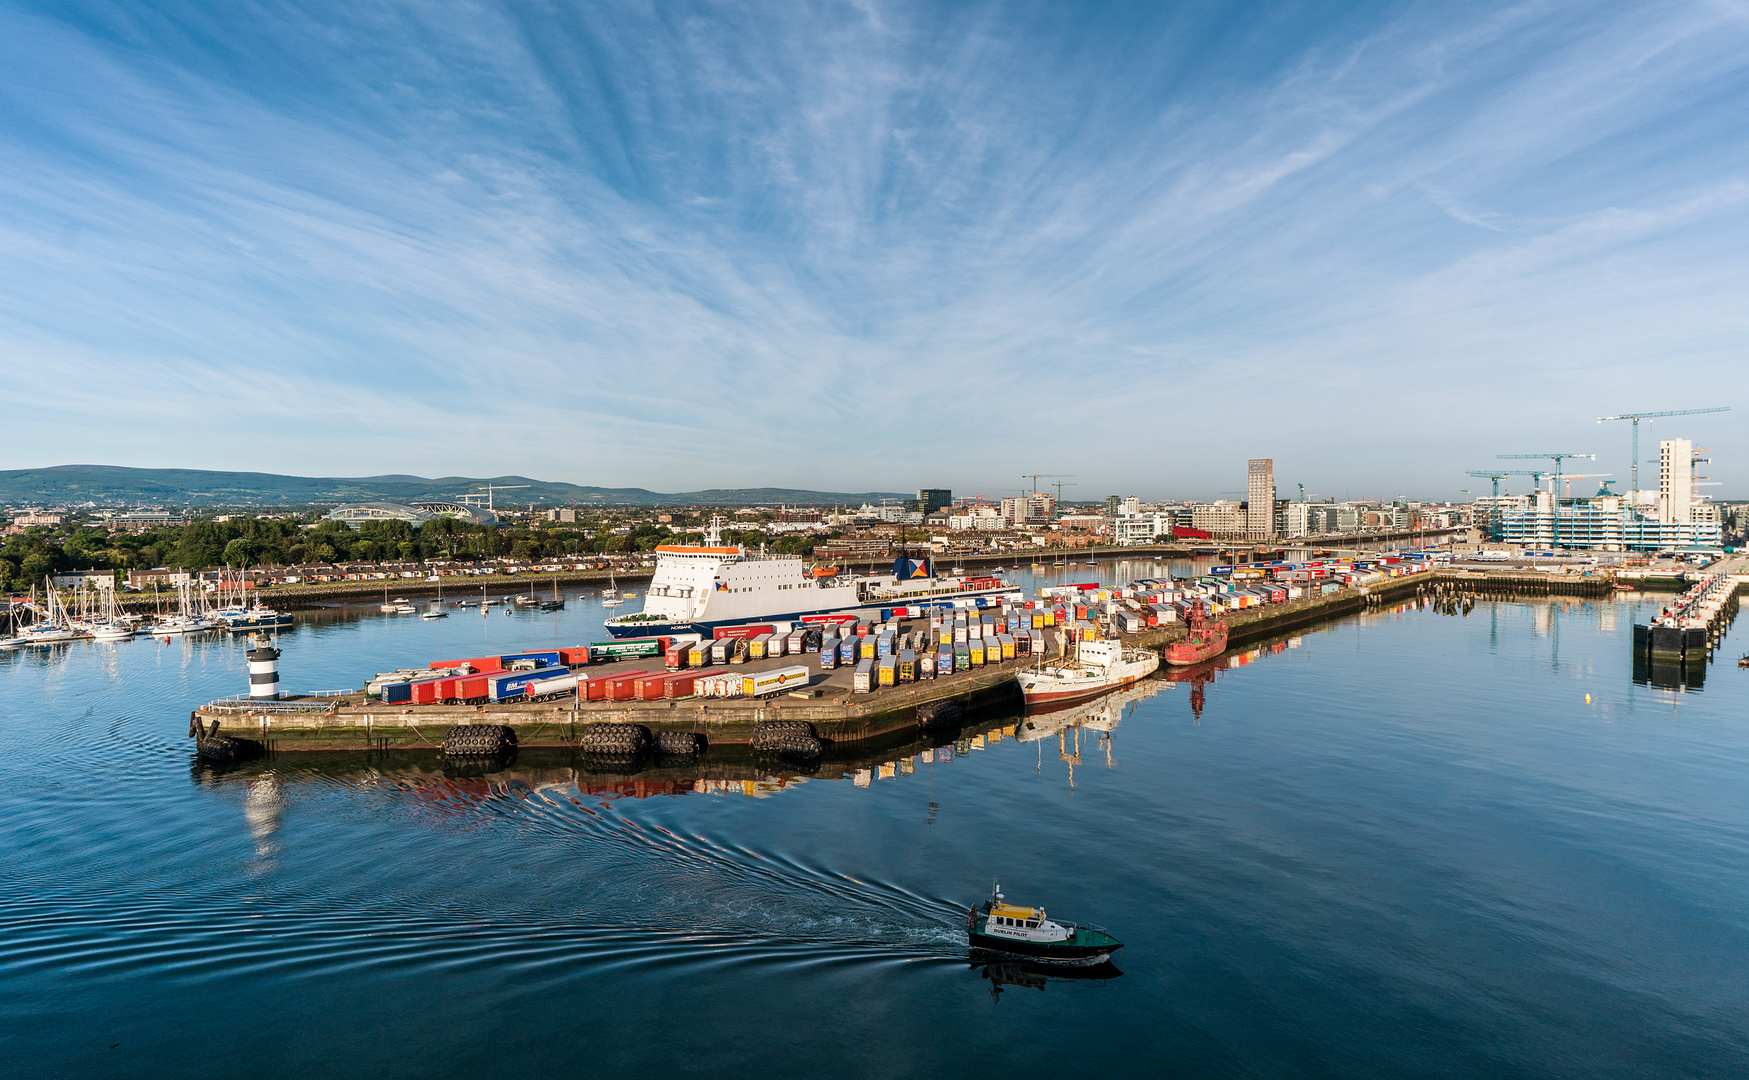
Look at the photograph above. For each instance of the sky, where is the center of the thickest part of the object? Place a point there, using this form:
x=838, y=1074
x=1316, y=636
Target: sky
x=872, y=246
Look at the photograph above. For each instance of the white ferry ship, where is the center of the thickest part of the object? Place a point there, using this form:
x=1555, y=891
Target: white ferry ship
x=699, y=587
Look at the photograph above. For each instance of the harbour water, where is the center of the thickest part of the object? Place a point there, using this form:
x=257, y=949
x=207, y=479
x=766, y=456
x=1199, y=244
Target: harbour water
x=1405, y=843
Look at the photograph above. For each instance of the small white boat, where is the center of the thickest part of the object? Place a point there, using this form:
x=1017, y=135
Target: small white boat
x=404, y=608
x=434, y=613
x=180, y=624
x=111, y=632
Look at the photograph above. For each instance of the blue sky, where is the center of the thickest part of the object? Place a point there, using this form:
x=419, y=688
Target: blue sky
x=871, y=245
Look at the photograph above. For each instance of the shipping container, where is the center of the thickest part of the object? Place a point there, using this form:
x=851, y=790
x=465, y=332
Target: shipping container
x=975, y=648
x=847, y=650
x=698, y=656
x=907, y=665
x=756, y=646
x=868, y=648
x=529, y=661
x=620, y=687
x=829, y=657
x=887, y=673
x=962, y=658
x=992, y=650
x=750, y=630
x=926, y=665
x=651, y=687
x=721, y=649
x=682, y=685
x=862, y=680
x=774, y=681
x=1007, y=643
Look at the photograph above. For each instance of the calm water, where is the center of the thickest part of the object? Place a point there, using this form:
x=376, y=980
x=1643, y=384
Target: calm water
x=1408, y=844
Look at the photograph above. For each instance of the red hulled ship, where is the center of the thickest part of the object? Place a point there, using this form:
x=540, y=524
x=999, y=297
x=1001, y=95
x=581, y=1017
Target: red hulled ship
x=1206, y=639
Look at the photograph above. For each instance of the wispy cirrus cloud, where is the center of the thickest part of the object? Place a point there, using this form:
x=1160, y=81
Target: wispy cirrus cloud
x=865, y=245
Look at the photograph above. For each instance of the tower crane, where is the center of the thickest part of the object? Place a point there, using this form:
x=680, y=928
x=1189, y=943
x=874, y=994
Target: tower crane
x=1494, y=476
x=1059, y=485
x=1034, y=477
x=1557, y=459
x=1647, y=416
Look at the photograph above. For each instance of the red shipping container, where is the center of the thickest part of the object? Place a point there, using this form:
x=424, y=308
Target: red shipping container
x=621, y=687
x=675, y=658
x=650, y=687
x=574, y=657
x=426, y=691
x=742, y=631
x=679, y=686
x=473, y=687
x=596, y=689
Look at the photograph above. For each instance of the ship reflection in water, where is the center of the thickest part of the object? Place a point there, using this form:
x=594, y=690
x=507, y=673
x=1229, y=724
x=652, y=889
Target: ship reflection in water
x=1030, y=975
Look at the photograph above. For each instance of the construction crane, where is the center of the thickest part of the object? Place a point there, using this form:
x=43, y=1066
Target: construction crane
x=1034, y=477
x=1557, y=459
x=1059, y=485
x=1636, y=418
x=1494, y=476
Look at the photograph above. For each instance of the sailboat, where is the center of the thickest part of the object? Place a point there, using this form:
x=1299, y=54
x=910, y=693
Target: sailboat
x=110, y=625
x=187, y=620
x=52, y=625
x=556, y=602
x=10, y=639
x=435, y=611
x=610, y=595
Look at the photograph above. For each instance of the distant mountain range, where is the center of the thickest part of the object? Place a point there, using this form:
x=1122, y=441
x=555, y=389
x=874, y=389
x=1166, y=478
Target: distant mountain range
x=109, y=485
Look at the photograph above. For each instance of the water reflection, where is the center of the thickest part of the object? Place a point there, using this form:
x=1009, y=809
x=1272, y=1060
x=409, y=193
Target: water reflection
x=1030, y=975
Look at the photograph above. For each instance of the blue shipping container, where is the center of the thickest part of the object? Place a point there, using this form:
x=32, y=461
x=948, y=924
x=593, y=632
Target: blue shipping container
x=541, y=659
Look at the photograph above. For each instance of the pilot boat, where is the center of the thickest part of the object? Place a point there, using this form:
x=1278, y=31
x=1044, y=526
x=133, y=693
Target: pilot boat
x=1001, y=927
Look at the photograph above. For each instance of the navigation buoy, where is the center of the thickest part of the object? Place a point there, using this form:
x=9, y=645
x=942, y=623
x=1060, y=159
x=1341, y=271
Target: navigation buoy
x=263, y=670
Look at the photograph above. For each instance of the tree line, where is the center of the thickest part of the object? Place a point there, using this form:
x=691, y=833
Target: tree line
x=26, y=558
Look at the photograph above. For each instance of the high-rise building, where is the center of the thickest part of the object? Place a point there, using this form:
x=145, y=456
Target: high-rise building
x=1111, y=505
x=929, y=500
x=1675, y=480
x=1260, y=499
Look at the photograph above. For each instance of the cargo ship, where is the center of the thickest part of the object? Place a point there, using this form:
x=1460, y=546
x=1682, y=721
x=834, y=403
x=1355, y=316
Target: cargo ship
x=1205, y=640
x=698, y=587
x=1098, y=666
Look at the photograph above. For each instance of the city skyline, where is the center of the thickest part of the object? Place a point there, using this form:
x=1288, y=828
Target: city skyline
x=725, y=247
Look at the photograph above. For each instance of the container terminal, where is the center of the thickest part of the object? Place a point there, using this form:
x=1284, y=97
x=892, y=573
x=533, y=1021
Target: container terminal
x=887, y=673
